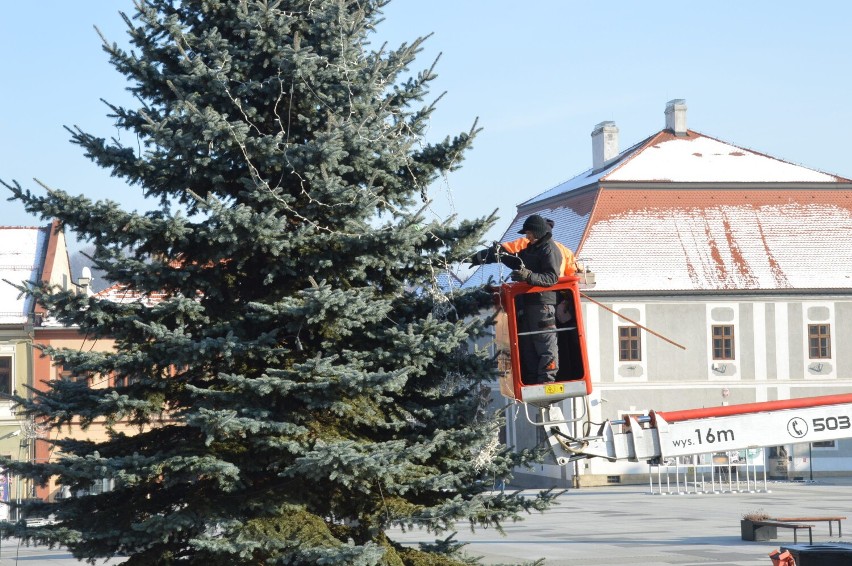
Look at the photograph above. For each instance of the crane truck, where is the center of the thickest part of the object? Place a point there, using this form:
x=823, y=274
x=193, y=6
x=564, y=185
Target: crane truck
x=657, y=435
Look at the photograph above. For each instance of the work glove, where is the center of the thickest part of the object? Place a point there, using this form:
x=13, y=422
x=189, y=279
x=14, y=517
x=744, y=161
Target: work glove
x=523, y=274
x=478, y=258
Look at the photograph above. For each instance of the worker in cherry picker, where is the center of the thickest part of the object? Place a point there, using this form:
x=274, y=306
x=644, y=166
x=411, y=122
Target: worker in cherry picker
x=539, y=264
x=569, y=267
x=569, y=264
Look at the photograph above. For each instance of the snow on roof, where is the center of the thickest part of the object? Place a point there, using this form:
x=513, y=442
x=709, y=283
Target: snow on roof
x=696, y=158
x=584, y=179
x=715, y=235
x=570, y=218
x=119, y=293
x=693, y=158
x=720, y=240
x=22, y=252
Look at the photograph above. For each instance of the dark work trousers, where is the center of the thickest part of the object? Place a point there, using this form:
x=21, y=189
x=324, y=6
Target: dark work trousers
x=539, y=351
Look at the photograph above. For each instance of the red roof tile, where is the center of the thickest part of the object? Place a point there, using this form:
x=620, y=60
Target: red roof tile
x=700, y=239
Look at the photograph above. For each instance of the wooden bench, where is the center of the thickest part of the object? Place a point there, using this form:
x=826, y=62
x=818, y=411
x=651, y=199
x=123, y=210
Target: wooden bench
x=788, y=525
x=830, y=520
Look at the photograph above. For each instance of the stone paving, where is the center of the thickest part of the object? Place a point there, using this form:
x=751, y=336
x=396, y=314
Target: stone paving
x=615, y=525
x=11, y=553
x=627, y=525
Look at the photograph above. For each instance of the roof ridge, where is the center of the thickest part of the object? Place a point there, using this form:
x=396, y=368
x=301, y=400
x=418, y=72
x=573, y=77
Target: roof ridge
x=593, y=175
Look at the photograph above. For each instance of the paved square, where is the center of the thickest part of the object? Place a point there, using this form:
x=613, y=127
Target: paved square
x=616, y=525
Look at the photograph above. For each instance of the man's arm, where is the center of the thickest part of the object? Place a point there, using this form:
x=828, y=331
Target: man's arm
x=486, y=255
x=493, y=254
x=511, y=261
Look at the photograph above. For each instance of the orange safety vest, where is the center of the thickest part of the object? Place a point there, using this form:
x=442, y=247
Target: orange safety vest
x=569, y=266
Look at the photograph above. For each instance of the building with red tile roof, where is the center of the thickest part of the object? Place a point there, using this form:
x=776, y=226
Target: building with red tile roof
x=682, y=211
x=743, y=258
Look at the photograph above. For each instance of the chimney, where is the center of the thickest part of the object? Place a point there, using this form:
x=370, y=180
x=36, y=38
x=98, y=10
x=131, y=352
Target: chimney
x=85, y=280
x=676, y=116
x=604, y=144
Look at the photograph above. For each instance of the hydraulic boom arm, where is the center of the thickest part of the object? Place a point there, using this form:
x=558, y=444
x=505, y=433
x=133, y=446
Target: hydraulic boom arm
x=660, y=435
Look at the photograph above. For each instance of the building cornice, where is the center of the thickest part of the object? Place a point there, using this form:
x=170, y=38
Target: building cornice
x=726, y=295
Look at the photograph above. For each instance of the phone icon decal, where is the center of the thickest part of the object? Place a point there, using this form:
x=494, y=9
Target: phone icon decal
x=797, y=427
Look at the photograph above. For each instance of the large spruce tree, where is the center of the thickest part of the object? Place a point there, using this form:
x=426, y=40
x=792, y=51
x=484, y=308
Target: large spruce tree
x=299, y=386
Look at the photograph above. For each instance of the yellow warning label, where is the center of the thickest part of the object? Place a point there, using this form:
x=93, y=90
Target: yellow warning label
x=554, y=388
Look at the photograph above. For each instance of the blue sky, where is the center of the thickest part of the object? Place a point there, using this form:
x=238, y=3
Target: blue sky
x=769, y=76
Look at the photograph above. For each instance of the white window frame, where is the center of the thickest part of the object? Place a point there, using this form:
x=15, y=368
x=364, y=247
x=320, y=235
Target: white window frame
x=629, y=365
x=830, y=372
x=736, y=363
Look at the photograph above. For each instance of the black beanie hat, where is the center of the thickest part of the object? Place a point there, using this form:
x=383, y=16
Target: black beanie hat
x=537, y=225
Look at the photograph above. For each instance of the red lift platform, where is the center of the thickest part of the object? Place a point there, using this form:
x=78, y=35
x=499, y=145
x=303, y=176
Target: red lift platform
x=573, y=379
